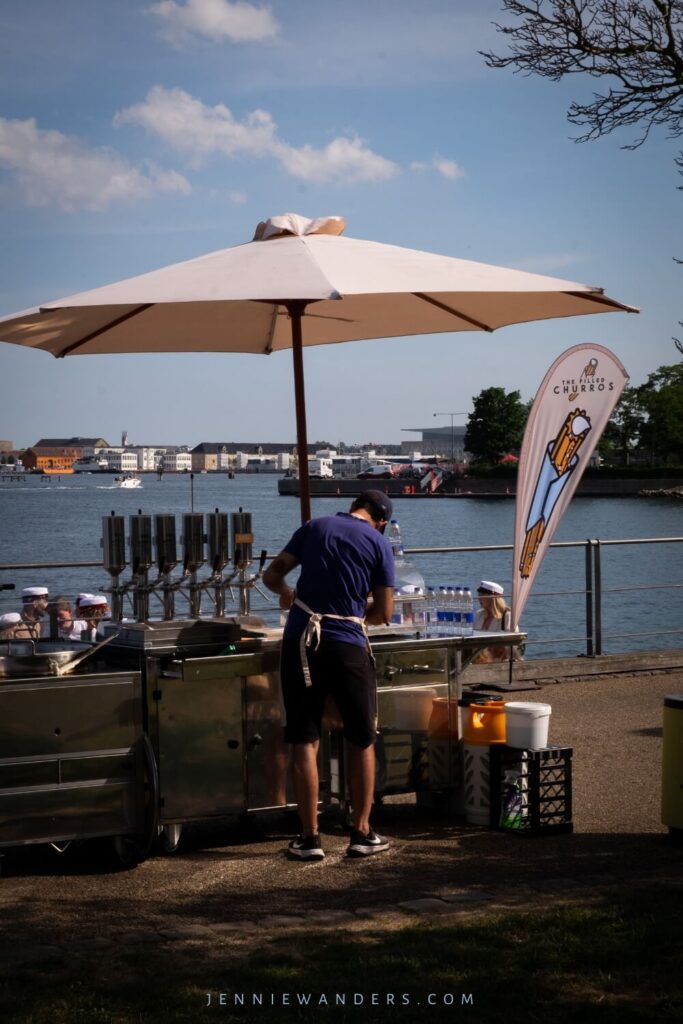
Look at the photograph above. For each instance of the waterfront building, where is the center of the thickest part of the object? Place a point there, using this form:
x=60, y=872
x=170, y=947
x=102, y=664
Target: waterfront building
x=50, y=460
x=211, y=456
x=121, y=460
x=448, y=442
x=149, y=457
x=176, y=460
x=277, y=462
x=86, y=447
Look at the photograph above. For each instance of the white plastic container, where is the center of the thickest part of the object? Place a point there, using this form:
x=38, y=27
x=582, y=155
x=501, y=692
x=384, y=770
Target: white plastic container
x=527, y=724
x=412, y=708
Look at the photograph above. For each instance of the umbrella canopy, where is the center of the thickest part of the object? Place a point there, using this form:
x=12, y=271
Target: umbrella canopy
x=298, y=283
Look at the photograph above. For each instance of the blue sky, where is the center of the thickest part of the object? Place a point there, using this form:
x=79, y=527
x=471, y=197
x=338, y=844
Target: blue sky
x=137, y=134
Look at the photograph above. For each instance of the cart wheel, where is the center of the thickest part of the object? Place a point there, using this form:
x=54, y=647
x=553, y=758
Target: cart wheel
x=127, y=851
x=169, y=838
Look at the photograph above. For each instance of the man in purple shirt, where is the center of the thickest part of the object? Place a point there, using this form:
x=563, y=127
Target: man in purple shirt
x=346, y=582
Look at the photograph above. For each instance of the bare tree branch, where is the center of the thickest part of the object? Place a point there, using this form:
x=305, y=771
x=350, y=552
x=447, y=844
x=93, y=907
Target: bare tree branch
x=638, y=43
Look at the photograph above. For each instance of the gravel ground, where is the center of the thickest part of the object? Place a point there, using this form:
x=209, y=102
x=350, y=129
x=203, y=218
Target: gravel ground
x=222, y=878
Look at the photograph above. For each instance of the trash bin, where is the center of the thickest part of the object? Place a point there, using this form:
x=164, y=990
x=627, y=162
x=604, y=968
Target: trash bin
x=672, y=764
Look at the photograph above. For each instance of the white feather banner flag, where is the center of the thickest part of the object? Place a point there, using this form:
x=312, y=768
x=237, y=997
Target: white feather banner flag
x=569, y=414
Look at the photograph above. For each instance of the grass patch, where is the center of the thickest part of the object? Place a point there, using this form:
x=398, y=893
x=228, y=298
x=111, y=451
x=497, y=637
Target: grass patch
x=616, y=960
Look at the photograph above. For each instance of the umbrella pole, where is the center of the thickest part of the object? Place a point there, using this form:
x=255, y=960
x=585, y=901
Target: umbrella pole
x=296, y=312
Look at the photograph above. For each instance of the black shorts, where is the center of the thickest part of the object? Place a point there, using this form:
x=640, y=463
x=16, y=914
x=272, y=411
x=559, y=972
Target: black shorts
x=343, y=671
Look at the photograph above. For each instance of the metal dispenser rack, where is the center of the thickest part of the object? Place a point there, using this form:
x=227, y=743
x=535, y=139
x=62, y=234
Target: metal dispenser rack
x=114, y=560
x=242, y=541
x=193, y=558
x=167, y=559
x=152, y=540
x=218, y=556
x=141, y=559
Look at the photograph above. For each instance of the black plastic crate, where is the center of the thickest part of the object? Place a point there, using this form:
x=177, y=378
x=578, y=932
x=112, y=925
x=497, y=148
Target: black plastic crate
x=531, y=790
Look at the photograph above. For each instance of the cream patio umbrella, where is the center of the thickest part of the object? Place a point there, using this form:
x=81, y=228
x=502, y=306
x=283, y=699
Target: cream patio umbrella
x=298, y=283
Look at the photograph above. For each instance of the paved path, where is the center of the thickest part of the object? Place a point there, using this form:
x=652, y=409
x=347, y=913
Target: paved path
x=223, y=882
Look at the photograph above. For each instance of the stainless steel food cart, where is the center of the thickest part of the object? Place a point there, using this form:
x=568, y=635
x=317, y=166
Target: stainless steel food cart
x=73, y=759
x=184, y=723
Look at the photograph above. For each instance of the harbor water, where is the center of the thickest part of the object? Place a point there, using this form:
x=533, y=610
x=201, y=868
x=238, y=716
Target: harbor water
x=50, y=519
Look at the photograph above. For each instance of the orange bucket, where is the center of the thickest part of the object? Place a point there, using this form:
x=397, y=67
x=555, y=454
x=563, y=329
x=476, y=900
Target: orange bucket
x=484, y=722
x=443, y=721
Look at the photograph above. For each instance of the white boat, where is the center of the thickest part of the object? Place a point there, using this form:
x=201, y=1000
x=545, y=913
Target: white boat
x=128, y=480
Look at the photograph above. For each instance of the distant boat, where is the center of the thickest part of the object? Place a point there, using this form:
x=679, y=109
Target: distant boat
x=128, y=481
x=90, y=465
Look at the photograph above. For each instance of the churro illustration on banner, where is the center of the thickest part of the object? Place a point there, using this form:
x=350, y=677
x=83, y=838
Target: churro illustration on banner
x=557, y=447
x=561, y=459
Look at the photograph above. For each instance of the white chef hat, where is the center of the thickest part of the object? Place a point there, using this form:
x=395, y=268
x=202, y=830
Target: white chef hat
x=28, y=593
x=9, y=619
x=93, y=601
x=488, y=587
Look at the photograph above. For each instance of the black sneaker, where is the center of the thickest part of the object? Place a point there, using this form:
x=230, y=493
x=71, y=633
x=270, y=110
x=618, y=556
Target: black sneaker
x=306, y=848
x=362, y=845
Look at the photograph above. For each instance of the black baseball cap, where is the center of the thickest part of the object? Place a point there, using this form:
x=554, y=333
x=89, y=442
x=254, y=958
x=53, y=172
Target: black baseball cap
x=381, y=506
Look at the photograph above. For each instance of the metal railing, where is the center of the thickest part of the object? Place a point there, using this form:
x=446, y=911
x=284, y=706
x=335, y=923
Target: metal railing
x=594, y=591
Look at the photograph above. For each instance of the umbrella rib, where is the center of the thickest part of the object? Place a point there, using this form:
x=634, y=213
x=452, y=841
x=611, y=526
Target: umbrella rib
x=101, y=330
x=601, y=299
x=454, y=312
x=271, y=333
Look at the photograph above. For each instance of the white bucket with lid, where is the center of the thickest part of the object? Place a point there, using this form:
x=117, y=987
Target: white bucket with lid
x=527, y=724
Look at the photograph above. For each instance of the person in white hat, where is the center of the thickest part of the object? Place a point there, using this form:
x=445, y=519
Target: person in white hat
x=34, y=602
x=8, y=625
x=93, y=608
x=68, y=627
x=494, y=615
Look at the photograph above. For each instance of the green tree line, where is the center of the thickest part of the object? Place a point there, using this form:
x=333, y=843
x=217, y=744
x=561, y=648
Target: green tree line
x=646, y=425
x=647, y=422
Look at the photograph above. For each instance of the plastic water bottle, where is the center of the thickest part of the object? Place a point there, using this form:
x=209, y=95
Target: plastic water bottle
x=408, y=577
x=394, y=538
x=419, y=611
x=445, y=624
x=457, y=611
x=441, y=612
x=468, y=613
x=430, y=612
x=451, y=612
x=397, y=616
x=464, y=606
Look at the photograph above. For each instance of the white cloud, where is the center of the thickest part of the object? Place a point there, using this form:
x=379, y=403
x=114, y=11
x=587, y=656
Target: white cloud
x=342, y=159
x=191, y=127
x=197, y=130
x=237, y=198
x=52, y=168
x=218, y=20
x=448, y=168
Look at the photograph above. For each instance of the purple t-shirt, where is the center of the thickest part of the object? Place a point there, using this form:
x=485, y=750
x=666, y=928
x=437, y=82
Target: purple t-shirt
x=342, y=558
